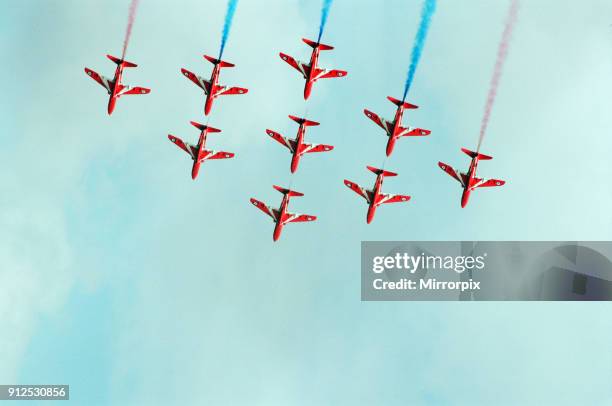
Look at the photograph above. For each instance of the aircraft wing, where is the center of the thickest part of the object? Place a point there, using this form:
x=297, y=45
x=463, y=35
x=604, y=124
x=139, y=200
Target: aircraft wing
x=190, y=149
x=452, y=172
x=308, y=148
x=384, y=124
x=266, y=209
x=218, y=155
x=290, y=144
x=389, y=198
x=334, y=73
x=135, y=90
x=298, y=218
x=413, y=132
x=232, y=90
x=366, y=194
x=489, y=183
x=199, y=81
x=303, y=68
x=105, y=82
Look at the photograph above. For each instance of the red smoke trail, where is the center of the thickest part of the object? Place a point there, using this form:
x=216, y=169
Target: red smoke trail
x=502, y=53
x=128, y=31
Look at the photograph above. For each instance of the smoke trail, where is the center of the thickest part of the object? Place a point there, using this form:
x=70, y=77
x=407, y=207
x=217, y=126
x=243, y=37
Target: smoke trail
x=324, y=13
x=128, y=31
x=229, y=16
x=502, y=53
x=429, y=7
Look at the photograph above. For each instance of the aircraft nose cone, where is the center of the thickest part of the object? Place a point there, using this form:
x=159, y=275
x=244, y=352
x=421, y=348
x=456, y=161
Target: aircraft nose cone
x=464, y=198
x=307, y=90
x=111, y=105
x=208, y=105
x=370, y=215
x=390, y=145
x=277, y=232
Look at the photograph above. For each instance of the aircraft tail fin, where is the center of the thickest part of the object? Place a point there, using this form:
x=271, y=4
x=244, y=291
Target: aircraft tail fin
x=378, y=171
x=400, y=103
x=289, y=192
x=300, y=120
x=202, y=127
x=473, y=154
x=315, y=45
x=219, y=62
x=122, y=62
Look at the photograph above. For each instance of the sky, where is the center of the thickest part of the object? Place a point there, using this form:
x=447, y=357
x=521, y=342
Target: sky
x=138, y=286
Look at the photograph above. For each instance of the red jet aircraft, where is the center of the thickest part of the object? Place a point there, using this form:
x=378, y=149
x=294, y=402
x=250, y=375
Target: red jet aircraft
x=375, y=197
x=198, y=152
x=281, y=216
x=298, y=147
x=114, y=87
x=212, y=88
x=394, y=128
x=468, y=180
x=312, y=72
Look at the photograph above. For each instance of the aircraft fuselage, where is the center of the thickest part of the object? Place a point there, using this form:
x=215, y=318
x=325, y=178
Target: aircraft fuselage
x=197, y=161
x=214, y=83
x=375, y=198
x=395, y=133
x=280, y=222
x=467, y=188
x=299, y=140
x=314, y=59
x=115, y=89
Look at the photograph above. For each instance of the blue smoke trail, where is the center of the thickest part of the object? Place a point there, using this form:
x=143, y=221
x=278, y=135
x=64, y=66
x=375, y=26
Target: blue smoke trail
x=429, y=7
x=229, y=15
x=324, y=13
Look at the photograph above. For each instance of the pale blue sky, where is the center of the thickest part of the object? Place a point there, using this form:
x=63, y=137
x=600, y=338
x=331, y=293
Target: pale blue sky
x=135, y=285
